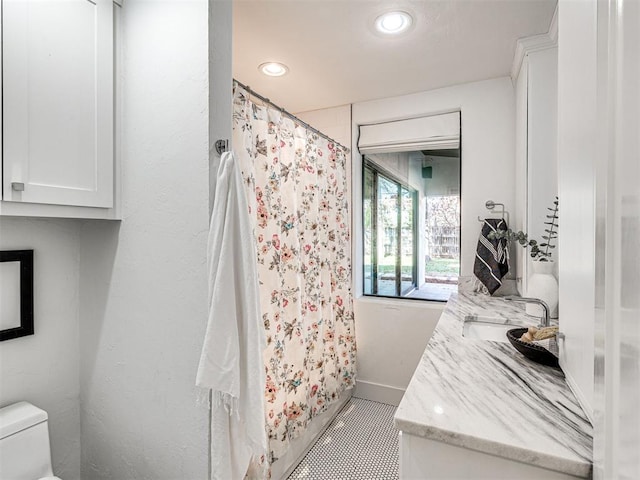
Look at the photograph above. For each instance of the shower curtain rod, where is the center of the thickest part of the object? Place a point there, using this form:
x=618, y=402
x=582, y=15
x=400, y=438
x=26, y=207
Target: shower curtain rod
x=284, y=112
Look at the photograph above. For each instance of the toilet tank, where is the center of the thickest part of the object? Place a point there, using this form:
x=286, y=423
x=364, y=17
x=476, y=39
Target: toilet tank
x=24, y=442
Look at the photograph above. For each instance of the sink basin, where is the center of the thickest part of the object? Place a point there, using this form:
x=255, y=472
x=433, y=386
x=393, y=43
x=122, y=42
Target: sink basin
x=487, y=328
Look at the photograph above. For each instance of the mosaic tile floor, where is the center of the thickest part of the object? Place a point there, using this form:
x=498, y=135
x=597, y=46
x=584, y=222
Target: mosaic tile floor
x=360, y=444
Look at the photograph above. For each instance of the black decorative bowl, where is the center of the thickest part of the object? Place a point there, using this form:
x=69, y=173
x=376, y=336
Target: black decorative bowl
x=532, y=351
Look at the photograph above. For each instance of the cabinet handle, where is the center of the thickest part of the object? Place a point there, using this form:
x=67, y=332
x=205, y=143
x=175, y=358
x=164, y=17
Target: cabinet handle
x=17, y=186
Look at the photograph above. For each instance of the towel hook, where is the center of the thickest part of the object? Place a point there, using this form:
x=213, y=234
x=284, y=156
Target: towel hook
x=222, y=146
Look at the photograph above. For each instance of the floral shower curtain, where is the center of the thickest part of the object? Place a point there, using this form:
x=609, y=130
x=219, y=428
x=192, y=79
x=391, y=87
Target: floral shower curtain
x=296, y=187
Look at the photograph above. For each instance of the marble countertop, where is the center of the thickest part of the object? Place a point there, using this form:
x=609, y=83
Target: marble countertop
x=486, y=396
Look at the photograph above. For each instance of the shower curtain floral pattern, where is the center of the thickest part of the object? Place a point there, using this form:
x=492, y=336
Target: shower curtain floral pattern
x=296, y=188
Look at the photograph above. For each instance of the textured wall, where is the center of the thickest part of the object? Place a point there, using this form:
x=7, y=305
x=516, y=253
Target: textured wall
x=143, y=288
x=43, y=368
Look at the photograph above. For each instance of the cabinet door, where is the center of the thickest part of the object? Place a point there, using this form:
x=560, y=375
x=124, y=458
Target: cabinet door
x=58, y=102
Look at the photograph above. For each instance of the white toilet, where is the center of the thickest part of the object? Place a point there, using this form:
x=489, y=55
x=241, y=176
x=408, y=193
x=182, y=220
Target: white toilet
x=24, y=443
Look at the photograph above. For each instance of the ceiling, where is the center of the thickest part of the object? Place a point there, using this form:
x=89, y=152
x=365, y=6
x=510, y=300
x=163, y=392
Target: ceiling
x=336, y=58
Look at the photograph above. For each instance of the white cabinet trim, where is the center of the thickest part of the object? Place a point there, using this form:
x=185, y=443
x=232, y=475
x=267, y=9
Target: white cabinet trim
x=535, y=43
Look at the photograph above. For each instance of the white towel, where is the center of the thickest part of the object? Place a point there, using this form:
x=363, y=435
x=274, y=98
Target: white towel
x=231, y=363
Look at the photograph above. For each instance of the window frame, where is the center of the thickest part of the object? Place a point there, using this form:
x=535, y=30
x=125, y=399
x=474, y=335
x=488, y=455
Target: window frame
x=377, y=170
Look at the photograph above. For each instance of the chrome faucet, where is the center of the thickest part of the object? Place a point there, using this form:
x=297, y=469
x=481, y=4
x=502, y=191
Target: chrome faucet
x=544, y=321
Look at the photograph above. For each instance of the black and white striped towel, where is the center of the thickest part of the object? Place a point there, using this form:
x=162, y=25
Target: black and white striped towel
x=492, y=262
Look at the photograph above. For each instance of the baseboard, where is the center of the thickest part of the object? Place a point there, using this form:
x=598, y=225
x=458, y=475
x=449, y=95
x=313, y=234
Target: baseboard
x=298, y=447
x=378, y=392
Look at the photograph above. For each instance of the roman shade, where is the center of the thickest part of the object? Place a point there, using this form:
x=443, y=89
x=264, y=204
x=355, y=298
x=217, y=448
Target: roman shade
x=423, y=133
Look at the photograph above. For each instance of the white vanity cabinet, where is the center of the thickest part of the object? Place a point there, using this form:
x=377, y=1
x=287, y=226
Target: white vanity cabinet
x=423, y=459
x=58, y=108
x=479, y=409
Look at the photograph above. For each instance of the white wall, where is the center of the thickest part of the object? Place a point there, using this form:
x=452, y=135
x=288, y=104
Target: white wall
x=335, y=122
x=488, y=113
x=392, y=334
x=43, y=368
x=577, y=135
x=143, y=285
x=220, y=82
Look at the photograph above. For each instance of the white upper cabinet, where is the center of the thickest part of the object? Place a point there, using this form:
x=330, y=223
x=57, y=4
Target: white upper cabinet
x=535, y=75
x=58, y=105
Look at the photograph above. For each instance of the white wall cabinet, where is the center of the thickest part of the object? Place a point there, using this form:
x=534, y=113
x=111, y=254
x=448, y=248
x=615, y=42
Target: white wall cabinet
x=535, y=75
x=58, y=108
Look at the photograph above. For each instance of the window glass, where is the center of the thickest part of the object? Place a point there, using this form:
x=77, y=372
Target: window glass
x=411, y=222
x=407, y=238
x=388, y=212
x=369, y=227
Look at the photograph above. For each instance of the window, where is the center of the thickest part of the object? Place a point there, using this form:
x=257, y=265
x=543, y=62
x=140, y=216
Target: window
x=411, y=224
x=390, y=234
x=411, y=207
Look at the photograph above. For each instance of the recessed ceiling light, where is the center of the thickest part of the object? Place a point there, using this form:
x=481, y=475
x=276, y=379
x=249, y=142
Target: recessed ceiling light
x=393, y=23
x=273, y=69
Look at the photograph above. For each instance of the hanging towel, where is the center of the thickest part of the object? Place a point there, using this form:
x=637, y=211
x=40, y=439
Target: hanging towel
x=231, y=363
x=491, y=262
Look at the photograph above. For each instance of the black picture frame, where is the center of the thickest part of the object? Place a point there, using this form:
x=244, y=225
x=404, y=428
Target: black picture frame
x=25, y=257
